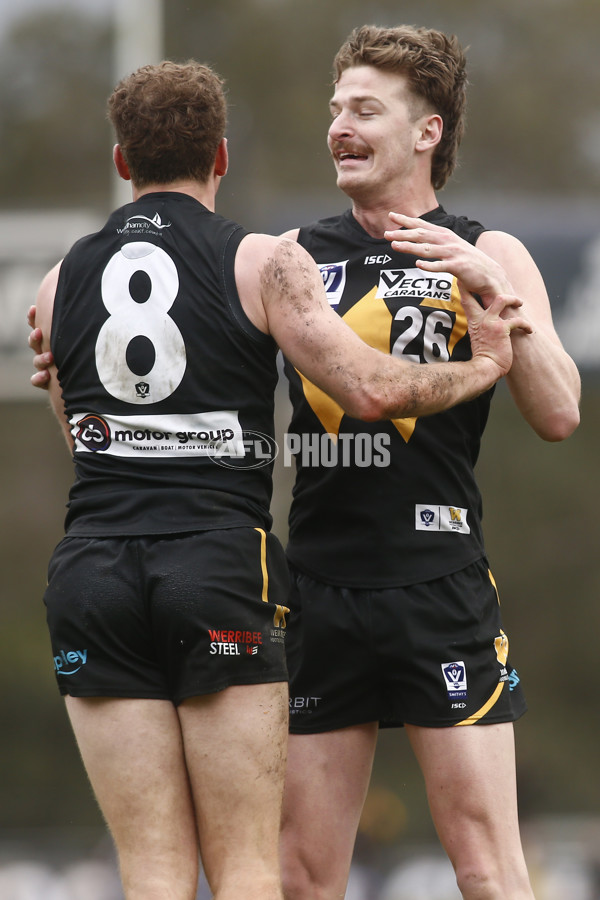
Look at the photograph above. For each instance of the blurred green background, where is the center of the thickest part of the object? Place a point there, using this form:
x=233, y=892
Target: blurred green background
x=530, y=164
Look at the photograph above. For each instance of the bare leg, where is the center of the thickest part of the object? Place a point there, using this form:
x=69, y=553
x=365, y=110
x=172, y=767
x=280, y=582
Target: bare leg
x=326, y=784
x=235, y=747
x=470, y=778
x=133, y=754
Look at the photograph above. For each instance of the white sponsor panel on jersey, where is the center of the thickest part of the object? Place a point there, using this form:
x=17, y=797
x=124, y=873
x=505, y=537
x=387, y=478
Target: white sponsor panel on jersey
x=216, y=433
x=414, y=283
x=441, y=518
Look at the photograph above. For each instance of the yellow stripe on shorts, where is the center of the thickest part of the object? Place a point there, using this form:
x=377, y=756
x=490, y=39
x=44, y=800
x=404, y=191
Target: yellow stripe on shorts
x=263, y=564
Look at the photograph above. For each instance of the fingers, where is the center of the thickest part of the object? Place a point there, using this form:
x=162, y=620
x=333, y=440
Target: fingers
x=31, y=316
x=35, y=339
x=43, y=361
x=41, y=379
x=519, y=323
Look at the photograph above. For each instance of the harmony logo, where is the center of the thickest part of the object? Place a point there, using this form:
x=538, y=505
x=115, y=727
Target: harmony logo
x=143, y=223
x=259, y=450
x=70, y=661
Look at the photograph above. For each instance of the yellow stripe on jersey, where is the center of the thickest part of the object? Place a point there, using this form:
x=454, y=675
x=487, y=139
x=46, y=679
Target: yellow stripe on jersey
x=372, y=321
x=472, y=720
x=263, y=564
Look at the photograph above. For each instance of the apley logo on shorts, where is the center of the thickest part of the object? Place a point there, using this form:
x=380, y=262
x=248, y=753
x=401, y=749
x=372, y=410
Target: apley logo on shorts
x=455, y=675
x=68, y=662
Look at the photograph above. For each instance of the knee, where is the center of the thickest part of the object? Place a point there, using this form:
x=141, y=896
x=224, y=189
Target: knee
x=301, y=882
x=476, y=882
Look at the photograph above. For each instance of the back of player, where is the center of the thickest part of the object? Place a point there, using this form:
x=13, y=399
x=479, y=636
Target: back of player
x=164, y=378
x=162, y=373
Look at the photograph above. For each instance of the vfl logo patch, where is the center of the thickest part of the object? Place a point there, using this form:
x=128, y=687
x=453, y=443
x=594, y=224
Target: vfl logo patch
x=455, y=676
x=441, y=518
x=334, y=280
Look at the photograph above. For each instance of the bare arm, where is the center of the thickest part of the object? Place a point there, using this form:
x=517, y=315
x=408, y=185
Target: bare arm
x=282, y=292
x=543, y=379
x=42, y=319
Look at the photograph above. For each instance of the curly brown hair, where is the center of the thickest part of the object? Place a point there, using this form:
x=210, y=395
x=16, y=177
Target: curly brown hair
x=169, y=120
x=435, y=67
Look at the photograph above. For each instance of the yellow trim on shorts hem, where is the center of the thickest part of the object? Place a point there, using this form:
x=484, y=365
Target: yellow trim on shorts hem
x=263, y=564
x=472, y=720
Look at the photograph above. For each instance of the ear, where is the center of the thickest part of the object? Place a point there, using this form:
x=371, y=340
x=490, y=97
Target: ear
x=120, y=164
x=222, y=158
x=431, y=128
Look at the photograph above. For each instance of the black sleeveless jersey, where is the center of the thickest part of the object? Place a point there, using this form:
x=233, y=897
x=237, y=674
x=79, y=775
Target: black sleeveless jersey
x=387, y=503
x=168, y=386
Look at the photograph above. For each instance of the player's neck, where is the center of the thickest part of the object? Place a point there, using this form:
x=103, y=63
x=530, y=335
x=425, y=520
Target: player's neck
x=373, y=213
x=203, y=192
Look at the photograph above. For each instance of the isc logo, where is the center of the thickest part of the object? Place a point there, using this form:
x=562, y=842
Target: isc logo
x=377, y=260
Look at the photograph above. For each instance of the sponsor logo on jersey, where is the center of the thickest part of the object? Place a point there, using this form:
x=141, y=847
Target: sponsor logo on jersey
x=455, y=676
x=441, y=518
x=334, y=279
x=228, y=642
x=93, y=433
x=380, y=260
x=513, y=680
x=212, y=434
x=144, y=225
x=68, y=662
x=414, y=283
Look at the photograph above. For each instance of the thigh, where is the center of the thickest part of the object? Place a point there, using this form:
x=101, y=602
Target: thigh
x=326, y=783
x=132, y=750
x=471, y=787
x=217, y=601
x=235, y=748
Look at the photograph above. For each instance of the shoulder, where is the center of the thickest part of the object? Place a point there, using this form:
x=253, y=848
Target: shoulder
x=504, y=248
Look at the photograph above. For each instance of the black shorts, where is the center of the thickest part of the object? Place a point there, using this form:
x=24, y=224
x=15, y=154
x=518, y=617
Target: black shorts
x=432, y=654
x=167, y=617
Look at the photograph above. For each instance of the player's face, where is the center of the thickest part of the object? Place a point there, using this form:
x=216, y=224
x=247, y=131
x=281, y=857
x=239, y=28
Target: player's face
x=373, y=133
